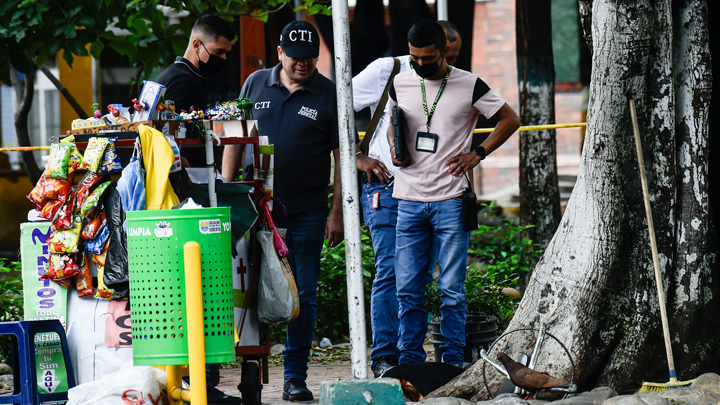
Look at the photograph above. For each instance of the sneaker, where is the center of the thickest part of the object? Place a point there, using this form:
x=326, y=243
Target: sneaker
x=295, y=389
x=383, y=364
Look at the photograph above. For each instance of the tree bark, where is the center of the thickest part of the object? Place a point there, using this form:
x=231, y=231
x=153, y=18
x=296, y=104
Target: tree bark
x=594, y=288
x=692, y=285
x=24, y=93
x=539, y=192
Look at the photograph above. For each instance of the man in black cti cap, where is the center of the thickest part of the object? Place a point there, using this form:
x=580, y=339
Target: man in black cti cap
x=296, y=107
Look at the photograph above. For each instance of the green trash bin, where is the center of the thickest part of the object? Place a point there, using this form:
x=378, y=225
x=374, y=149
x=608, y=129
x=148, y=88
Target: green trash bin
x=157, y=284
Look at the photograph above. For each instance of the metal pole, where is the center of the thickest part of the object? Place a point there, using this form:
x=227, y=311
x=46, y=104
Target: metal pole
x=210, y=160
x=442, y=9
x=351, y=211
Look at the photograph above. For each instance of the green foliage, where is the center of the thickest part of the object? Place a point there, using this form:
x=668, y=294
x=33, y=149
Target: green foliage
x=11, y=301
x=503, y=249
x=332, y=319
x=501, y=257
x=33, y=30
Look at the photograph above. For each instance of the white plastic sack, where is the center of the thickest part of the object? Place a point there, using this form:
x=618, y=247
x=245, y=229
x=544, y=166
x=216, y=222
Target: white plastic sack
x=129, y=385
x=86, y=330
x=278, y=301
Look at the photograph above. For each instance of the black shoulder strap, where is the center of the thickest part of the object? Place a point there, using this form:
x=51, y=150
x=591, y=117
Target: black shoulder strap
x=365, y=144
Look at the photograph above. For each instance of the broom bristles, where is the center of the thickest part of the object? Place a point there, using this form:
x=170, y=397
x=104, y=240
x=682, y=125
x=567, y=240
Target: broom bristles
x=660, y=387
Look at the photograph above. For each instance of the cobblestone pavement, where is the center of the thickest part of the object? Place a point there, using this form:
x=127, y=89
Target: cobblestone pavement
x=272, y=392
x=317, y=373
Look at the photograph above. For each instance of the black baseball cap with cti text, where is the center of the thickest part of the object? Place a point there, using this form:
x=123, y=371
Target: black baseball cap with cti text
x=300, y=39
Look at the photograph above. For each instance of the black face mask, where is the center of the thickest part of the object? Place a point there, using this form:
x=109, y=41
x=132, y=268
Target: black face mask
x=215, y=64
x=427, y=70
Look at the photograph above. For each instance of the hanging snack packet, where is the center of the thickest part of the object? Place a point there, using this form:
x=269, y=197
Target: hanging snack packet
x=90, y=231
x=103, y=291
x=94, y=154
x=111, y=160
x=56, y=188
x=88, y=206
x=51, y=209
x=84, y=187
x=57, y=165
x=65, y=241
x=75, y=159
x=61, y=266
x=96, y=245
x=83, y=280
x=64, y=217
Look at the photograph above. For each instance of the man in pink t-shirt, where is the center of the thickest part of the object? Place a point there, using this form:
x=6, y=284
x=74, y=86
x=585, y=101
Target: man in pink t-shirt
x=440, y=106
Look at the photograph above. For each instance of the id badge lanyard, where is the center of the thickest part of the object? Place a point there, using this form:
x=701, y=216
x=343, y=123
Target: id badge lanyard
x=428, y=116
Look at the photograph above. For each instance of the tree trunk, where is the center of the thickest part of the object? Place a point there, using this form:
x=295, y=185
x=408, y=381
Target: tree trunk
x=403, y=14
x=539, y=192
x=24, y=93
x=594, y=288
x=692, y=284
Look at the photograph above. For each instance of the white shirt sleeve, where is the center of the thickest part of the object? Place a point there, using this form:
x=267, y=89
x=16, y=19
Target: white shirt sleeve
x=369, y=84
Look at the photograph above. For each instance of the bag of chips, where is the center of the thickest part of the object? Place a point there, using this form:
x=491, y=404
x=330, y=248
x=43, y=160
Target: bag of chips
x=111, y=160
x=88, y=206
x=65, y=216
x=57, y=165
x=75, y=159
x=94, y=154
x=83, y=189
x=83, y=280
x=65, y=241
x=96, y=245
x=90, y=231
x=103, y=291
x=61, y=266
x=51, y=209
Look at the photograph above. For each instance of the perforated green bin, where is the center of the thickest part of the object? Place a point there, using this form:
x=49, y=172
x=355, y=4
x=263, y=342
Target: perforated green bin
x=157, y=283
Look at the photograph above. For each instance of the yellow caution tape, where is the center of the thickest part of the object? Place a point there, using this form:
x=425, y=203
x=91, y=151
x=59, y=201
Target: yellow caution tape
x=525, y=128
x=536, y=127
x=24, y=148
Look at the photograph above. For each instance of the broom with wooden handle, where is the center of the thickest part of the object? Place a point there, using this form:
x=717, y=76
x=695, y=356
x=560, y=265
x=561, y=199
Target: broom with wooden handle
x=673, y=383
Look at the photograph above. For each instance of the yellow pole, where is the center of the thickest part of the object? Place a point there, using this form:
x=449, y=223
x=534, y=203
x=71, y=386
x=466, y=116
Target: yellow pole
x=176, y=394
x=195, y=324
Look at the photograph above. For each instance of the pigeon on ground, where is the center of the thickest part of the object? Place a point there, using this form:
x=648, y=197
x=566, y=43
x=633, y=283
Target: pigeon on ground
x=527, y=378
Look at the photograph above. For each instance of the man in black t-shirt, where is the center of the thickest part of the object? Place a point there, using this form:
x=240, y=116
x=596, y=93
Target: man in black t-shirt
x=206, y=54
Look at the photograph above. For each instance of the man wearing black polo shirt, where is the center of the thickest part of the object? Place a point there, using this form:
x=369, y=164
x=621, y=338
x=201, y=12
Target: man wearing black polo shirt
x=296, y=107
x=206, y=54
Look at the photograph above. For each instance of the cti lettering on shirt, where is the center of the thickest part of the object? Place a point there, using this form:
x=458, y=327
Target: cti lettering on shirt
x=308, y=112
x=262, y=104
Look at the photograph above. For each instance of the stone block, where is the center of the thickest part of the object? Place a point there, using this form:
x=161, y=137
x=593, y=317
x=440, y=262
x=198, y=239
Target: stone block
x=379, y=391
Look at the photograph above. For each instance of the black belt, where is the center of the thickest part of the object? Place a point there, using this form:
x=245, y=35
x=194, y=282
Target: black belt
x=375, y=179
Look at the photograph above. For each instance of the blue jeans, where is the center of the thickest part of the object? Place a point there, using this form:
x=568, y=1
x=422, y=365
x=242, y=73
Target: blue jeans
x=304, y=239
x=381, y=222
x=417, y=223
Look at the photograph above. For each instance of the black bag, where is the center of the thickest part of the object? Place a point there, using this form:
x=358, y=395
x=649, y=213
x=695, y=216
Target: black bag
x=116, y=274
x=469, y=208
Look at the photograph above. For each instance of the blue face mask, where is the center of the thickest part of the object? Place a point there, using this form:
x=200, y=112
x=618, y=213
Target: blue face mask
x=427, y=70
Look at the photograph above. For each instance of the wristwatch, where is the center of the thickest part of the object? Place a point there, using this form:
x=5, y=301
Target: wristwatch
x=480, y=151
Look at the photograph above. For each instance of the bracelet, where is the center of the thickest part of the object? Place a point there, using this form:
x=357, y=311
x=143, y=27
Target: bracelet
x=358, y=152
